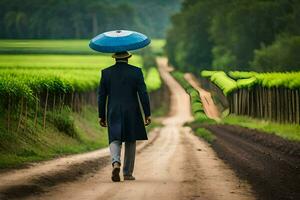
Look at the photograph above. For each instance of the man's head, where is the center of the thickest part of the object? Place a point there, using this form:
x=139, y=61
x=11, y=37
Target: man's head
x=121, y=56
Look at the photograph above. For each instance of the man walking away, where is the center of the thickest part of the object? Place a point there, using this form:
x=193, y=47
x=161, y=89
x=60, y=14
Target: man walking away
x=121, y=88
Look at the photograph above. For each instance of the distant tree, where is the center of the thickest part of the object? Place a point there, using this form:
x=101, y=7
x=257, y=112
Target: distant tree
x=173, y=47
x=244, y=26
x=82, y=19
x=223, y=58
x=188, y=41
x=282, y=55
x=217, y=34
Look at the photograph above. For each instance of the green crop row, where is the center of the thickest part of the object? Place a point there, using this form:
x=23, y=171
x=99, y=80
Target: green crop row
x=241, y=74
x=235, y=80
x=152, y=79
x=45, y=47
x=200, y=117
x=207, y=73
x=57, y=74
x=60, y=61
x=219, y=78
x=289, y=80
x=26, y=83
x=196, y=104
x=226, y=84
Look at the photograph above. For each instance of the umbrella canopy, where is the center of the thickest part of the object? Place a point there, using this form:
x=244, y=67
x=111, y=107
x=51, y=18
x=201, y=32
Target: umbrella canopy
x=119, y=41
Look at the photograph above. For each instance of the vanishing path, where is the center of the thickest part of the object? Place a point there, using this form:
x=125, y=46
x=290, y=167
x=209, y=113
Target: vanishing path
x=174, y=164
x=209, y=106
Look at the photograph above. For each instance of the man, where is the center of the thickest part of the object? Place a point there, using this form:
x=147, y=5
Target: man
x=121, y=87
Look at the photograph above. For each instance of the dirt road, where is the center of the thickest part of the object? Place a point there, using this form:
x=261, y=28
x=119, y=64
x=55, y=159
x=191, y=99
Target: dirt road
x=209, y=106
x=174, y=165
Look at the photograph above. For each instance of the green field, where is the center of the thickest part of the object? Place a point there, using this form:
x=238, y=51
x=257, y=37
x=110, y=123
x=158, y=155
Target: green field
x=286, y=131
x=43, y=61
x=157, y=46
x=68, y=60
x=45, y=47
x=62, y=66
x=22, y=74
x=60, y=47
x=62, y=73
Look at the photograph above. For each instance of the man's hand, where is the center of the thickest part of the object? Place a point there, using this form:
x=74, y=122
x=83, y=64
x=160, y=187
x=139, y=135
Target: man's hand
x=102, y=122
x=147, y=121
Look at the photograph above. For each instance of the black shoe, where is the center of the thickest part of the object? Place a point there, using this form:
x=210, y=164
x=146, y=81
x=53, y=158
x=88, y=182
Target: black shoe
x=129, y=178
x=115, y=177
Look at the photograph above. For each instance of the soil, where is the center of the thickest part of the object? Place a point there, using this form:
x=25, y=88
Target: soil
x=270, y=163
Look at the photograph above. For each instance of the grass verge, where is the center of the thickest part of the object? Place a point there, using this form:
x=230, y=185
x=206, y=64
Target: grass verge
x=286, y=131
x=200, y=118
x=205, y=134
x=66, y=133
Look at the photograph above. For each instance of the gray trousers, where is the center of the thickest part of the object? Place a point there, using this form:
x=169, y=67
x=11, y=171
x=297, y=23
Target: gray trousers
x=129, y=157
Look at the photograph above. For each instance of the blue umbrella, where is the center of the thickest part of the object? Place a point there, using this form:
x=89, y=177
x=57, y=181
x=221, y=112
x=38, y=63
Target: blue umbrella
x=119, y=41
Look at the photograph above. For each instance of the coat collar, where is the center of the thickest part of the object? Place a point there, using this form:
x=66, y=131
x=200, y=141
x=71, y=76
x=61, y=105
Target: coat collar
x=122, y=61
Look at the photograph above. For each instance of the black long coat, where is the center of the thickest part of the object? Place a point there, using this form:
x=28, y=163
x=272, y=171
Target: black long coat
x=120, y=87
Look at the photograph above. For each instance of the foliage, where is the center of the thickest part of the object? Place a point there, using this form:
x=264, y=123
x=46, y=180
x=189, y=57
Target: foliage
x=282, y=55
x=289, y=80
x=246, y=83
x=17, y=148
x=26, y=82
x=205, y=134
x=82, y=19
x=222, y=57
x=188, y=45
x=20, y=76
x=215, y=35
x=245, y=79
x=273, y=96
x=64, y=122
x=157, y=46
x=180, y=78
x=207, y=73
x=148, y=58
x=153, y=80
x=287, y=131
x=225, y=83
x=240, y=74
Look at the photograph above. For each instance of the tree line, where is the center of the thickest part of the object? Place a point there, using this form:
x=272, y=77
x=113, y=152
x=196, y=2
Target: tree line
x=83, y=19
x=260, y=35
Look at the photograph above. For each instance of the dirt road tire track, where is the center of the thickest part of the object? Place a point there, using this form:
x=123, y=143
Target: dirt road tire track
x=42, y=181
x=271, y=164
